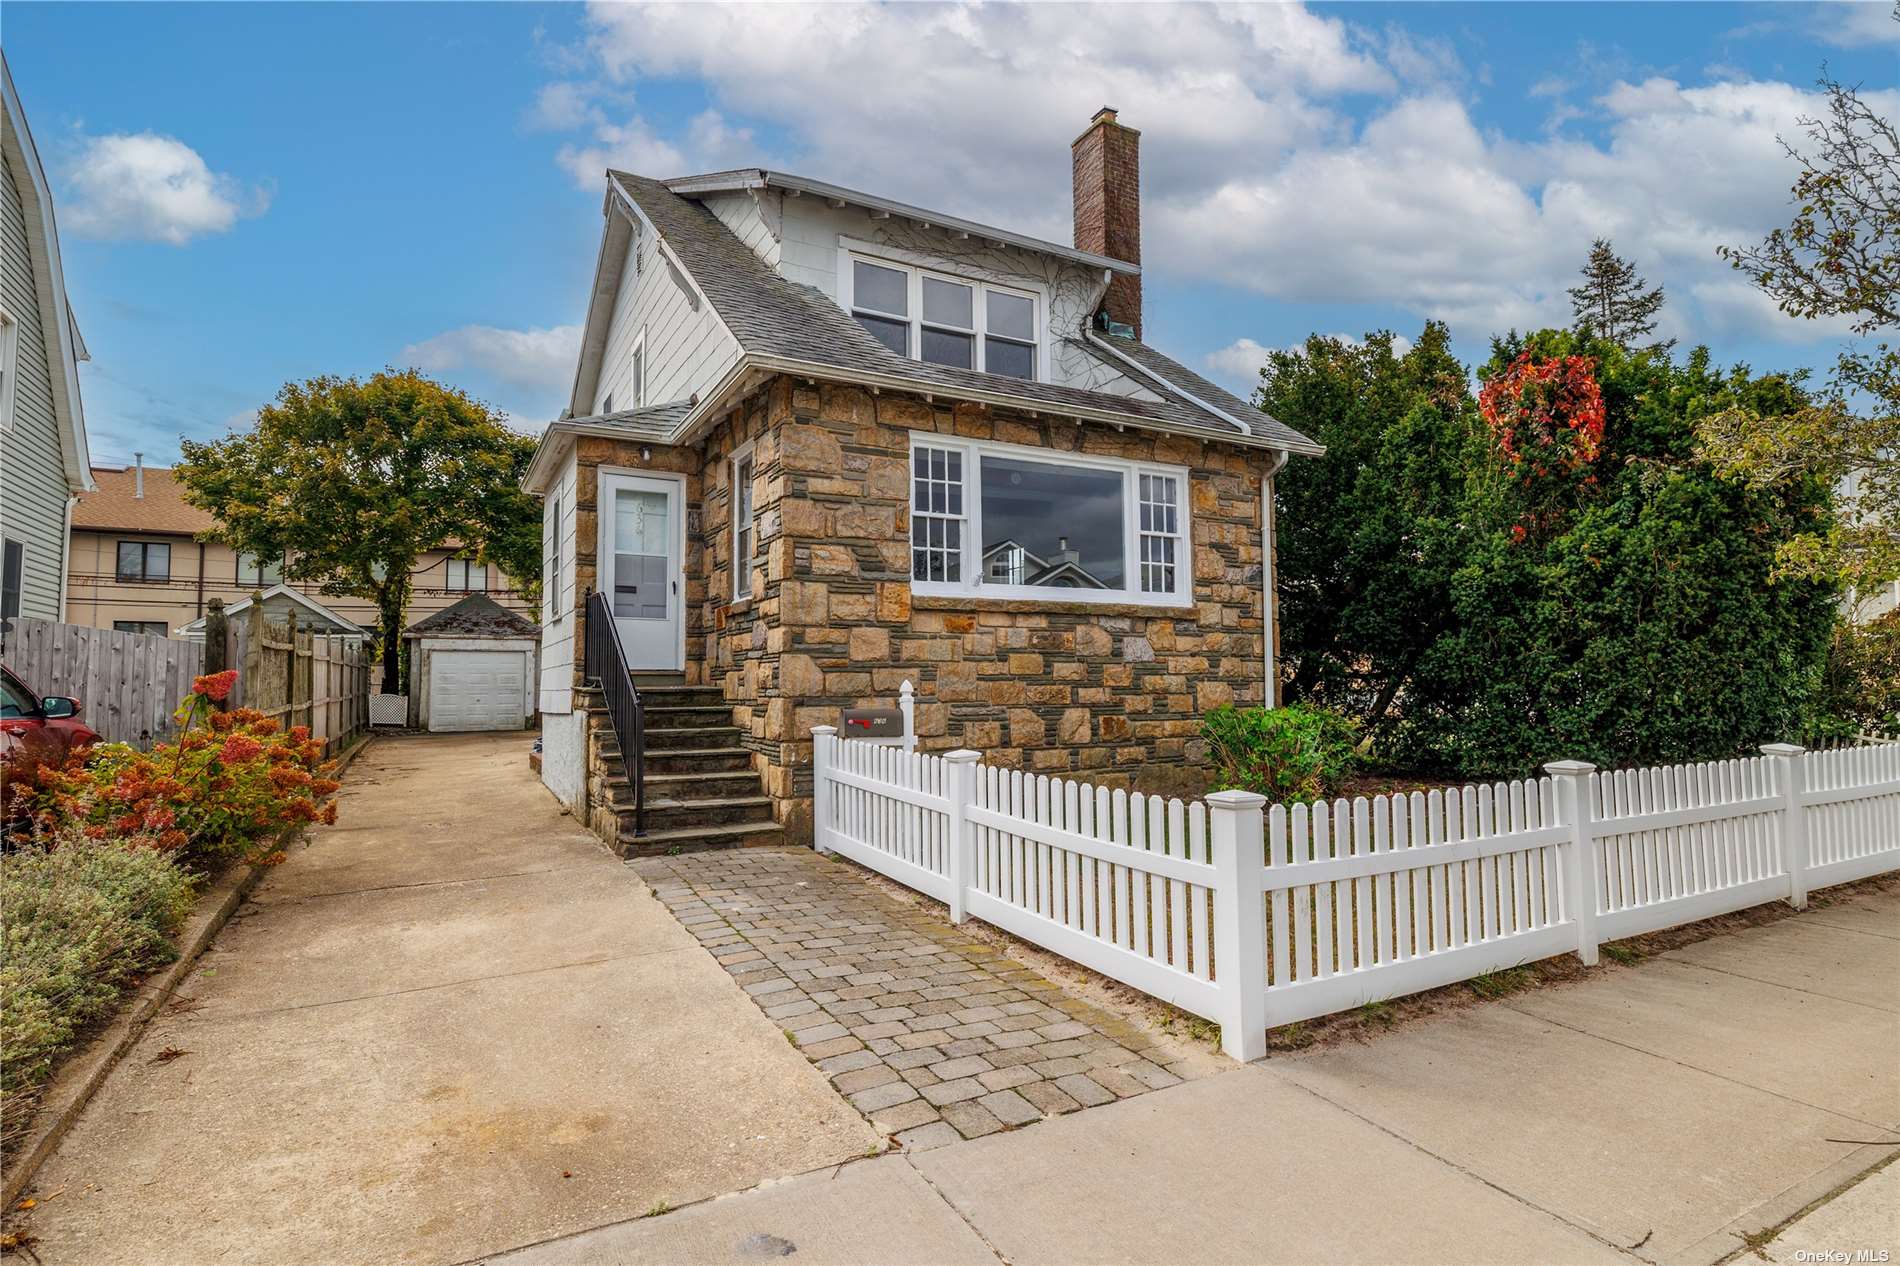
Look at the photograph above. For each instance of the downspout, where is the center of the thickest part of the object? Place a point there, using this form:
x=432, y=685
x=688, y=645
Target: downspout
x=201, y=580
x=1268, y=582
x=66, y=553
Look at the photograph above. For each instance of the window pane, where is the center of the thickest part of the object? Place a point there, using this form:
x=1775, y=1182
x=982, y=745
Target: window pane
x=1012, y=316
x=1018, y=360
x=946, y=303
x=1054, y=526
x=131, y=560
x=880, y=289
x=158, y=562
x=893, y=334
x=944, y=348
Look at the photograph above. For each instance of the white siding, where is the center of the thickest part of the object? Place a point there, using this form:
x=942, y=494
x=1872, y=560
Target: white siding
x=564, y=757
x=557, y=635
x=687, y=348
x=33, y=489
x=753, y=220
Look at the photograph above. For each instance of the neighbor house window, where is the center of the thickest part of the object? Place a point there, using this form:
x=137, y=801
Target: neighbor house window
x=12, y=574
x=743, y=539
x=257, y=574
x=9, y=359
x=551, y=562
x=151, y=628
x=465, y=575
x=946, y=320
x=144, y=560
x=1018, y=522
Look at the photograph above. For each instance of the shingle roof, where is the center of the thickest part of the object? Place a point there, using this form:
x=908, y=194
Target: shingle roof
x=1185, y=379
x=772, y=316
x=477, y=615
x=115, y=505
x=657, y=423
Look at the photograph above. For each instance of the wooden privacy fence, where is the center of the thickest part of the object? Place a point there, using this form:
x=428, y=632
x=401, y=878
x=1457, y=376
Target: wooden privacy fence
x=1256, y=916
x=297, y=677
x=128, y=684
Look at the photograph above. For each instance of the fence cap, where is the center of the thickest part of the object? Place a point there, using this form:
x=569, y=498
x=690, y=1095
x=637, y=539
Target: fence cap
x=1236, y=799
x=1782, y=749
x=1563, y=767
x=824, y=729
x=963, y=756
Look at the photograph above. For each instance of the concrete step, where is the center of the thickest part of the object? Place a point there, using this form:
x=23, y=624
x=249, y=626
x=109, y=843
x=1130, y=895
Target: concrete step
x=688, y=714
x=699, y=760
x=682, y=696
x=696, y=839
x=669, y=738
x=717, y=783
x=667, y=814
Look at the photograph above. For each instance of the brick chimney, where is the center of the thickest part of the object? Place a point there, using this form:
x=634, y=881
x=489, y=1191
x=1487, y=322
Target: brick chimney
x=1107, y=172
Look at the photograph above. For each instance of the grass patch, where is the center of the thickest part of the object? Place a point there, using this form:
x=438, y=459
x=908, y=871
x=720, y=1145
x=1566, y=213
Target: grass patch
x=1381, y=1013
x=83, y=918
x=1617, y=952
x=1496, y=984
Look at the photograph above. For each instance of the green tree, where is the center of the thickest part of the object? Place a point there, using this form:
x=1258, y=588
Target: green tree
x=1369, y=535
x=1638, y=624
x=1612, y=302
x=351, y=481
x=1838, y=258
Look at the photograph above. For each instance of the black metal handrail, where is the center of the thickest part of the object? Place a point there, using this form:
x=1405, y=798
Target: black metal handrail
x=606, y=663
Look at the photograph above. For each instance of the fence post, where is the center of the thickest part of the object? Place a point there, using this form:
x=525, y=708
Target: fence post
x=1580, y=863
x=1791, y=781
x=907, y=704
x=960, y=765
x=217, y=630
x=1237, y=833
x=821, y=740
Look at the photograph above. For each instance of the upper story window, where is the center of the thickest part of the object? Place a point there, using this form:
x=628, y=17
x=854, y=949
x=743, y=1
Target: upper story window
x=637, y=372
x=9, y=361
x=1009, y=522
x=946, y=320
x=257, y=574
x=465, y=575
x=144, y=560
x=551, y=562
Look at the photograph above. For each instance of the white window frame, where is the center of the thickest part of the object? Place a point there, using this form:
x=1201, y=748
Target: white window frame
x=970, y=570
x=472, y=572
x=637, y=370
x=980, y=288
x=740, y=495
x=9, y=366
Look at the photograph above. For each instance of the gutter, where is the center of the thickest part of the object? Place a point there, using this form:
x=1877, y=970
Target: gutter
x=1269, y=583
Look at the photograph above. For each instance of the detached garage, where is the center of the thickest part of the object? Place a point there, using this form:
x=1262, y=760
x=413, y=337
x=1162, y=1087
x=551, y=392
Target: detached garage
x=471, y=667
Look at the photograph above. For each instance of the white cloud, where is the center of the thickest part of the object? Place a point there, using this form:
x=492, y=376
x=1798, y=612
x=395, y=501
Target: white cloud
x=150, y=188
x=536, y=363
x=1858, y=23
x=634, y=146
x=562, y=107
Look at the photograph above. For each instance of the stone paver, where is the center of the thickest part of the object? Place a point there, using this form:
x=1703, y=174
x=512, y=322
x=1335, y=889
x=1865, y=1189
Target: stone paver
x=924, y=1029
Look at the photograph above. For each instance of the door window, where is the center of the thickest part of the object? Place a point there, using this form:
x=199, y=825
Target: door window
x=642, y=525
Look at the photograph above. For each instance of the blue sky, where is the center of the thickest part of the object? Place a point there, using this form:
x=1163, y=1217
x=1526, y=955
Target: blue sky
x=255, y=193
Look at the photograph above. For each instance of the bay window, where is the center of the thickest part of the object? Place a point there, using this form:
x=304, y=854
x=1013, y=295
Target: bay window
x=945, y=320
x=1006, y=521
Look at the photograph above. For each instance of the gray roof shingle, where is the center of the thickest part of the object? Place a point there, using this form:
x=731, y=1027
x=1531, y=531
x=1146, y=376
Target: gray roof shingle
x=477, y=615
x=773, y=316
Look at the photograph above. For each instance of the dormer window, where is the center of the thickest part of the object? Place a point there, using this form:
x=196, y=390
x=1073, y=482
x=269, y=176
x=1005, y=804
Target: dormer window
x=946, y=320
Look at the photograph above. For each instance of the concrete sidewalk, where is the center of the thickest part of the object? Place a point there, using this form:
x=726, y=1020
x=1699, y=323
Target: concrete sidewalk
x=1657, y=1113
x=451, y=1024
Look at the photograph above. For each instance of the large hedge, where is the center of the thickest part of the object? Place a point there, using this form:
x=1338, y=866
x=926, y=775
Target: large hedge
x=1606, y=598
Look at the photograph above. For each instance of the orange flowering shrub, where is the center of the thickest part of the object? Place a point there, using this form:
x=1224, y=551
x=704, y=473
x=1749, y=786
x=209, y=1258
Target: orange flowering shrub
x=227, y=788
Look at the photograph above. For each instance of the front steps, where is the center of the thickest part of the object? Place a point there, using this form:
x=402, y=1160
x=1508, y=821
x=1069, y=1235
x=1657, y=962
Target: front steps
x=701, y=789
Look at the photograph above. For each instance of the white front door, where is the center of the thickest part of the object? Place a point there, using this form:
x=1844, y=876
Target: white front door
x=642, y=527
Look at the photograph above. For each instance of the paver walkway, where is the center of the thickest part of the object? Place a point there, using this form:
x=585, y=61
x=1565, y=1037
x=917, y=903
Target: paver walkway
x=932, y=1034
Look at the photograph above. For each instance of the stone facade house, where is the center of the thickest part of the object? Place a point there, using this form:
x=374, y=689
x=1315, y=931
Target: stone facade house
x=43, y=458
x=822, y=442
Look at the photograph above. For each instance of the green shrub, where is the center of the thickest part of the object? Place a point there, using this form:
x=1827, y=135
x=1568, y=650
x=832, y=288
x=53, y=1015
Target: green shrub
x=1860, y=688
x=1285, y=754
x=83, y=917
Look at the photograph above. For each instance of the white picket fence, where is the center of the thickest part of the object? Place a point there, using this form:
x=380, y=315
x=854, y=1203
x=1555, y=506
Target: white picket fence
x=1256, y=916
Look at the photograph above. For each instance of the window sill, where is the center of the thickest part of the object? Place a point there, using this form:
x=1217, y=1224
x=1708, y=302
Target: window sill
x=1106, y=606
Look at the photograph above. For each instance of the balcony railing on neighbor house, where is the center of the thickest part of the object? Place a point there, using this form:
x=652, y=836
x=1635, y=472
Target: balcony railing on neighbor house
x=605, y=662
x=1256, y=916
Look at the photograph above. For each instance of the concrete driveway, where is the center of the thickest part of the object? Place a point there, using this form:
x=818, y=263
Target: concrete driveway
x=451, y=1024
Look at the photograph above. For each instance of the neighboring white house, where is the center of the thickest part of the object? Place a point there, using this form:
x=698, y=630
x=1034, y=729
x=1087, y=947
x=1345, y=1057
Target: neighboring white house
x=44, y=464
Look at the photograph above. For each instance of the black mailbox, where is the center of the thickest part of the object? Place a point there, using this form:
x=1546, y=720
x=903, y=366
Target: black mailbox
x=871, y=723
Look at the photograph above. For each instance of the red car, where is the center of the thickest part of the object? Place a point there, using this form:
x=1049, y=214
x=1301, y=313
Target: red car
x=23, y=712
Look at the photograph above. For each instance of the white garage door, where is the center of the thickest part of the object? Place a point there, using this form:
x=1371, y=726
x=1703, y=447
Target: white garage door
x=477, y=690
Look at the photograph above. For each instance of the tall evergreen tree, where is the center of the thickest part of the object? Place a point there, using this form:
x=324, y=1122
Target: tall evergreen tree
x=1612, y=302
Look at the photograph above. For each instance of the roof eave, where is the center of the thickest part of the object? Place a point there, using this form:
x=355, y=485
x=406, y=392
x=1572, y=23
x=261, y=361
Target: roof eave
x=758, y=178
